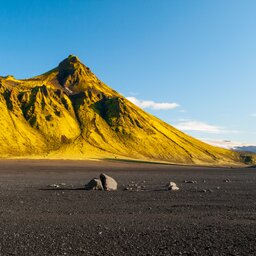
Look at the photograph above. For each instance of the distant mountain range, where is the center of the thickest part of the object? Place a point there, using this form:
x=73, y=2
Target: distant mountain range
x=236, y=146
x=69, y=113
x=246, y=149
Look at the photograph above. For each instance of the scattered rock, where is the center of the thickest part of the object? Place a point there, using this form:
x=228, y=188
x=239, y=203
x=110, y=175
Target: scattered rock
x=172, y=186
x=132, y=186
x=128, y=189
x=108, y=183
x=204, y=181
x=206, y=190
x=54, y=186
x=227, y=180
x=94, y=184
x=190, y=181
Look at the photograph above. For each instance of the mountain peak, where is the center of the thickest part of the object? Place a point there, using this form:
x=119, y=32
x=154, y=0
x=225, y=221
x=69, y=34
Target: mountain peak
x=72, y=58
x=70, y=61
x=71, y=72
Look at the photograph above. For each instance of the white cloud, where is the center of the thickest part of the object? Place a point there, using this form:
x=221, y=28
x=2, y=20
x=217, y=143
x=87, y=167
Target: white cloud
x=198, y=126
x=225, y=143
x=152, y=104
x=190, y=125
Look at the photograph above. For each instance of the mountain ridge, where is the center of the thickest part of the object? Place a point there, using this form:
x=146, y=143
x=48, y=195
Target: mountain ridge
x=68, y=112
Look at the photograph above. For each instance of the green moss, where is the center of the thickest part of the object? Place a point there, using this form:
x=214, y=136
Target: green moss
x=57, y=113
x=49, y=118
x=247, y=159
x=9, y=104
x=32, y=120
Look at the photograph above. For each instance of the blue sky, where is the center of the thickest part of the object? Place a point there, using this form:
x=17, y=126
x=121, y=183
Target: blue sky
x=199, y=57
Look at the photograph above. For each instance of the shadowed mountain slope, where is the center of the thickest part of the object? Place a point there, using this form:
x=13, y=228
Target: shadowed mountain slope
x=69, y=113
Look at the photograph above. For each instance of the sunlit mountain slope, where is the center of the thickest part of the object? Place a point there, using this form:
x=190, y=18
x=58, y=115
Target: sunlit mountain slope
x=69, y=113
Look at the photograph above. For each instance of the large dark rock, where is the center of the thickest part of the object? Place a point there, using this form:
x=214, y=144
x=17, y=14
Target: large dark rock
x=108, y=183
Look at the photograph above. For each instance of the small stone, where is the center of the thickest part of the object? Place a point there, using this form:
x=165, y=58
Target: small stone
x=54, y=186
x=227, y=180
x=172, y=186
x=190, y=181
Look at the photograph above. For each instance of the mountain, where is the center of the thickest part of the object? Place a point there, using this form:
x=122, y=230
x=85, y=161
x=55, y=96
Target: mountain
x=251, y=149
x=69, y=113
x=233, y=145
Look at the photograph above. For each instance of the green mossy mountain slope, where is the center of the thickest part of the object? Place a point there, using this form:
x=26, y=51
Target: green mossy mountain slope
x=69, y=113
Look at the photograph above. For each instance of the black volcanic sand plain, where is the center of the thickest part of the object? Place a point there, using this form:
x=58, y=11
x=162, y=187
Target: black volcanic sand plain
x=209, y=217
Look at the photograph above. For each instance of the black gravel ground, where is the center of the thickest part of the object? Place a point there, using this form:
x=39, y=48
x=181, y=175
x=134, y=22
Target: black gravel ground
x=208, y=217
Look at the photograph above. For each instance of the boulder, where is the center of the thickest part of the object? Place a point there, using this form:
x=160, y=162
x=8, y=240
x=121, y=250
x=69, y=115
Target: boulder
x=108, y=183
x=172, y=186
x=94, y=184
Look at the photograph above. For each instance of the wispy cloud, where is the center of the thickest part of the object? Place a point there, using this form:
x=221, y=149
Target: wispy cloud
x=152, y=104
x=190, y=125
x=198, y=126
